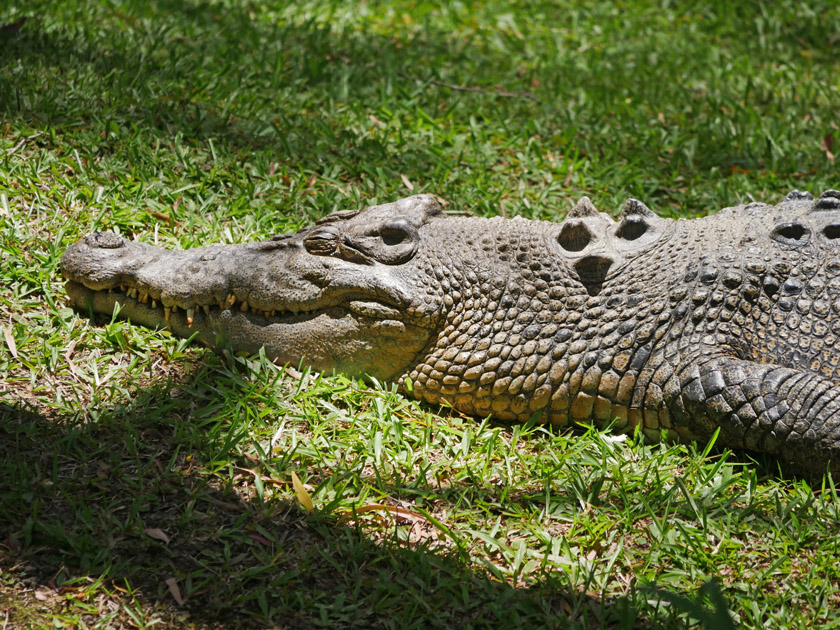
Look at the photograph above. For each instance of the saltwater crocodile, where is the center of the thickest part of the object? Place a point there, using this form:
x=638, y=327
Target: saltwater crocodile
x=677, y=327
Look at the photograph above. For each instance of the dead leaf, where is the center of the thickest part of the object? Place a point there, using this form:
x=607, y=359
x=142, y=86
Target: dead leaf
x=260, y=539
x=73, y=369
x=302, y=495
x=231, y=507
x=338, y=188
x=407, y=183
x=376, y=121
x=568, y=179
x=172, y=583
x=157, y=534
x=71, y=349
x=10, y=341
x=661, y=117
x=827, y=144
x=41, y=596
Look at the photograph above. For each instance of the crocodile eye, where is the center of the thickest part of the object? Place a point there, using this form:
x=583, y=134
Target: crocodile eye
x=574, y=237
x=397, y=231
x=632, y=228
x=791, y=234
x=832, y=231
x=392, y=243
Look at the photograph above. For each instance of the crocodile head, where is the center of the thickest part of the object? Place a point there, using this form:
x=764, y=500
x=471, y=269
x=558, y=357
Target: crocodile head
x=349, y=293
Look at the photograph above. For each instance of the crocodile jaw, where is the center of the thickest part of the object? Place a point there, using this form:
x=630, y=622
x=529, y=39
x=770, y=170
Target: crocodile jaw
x=247, y=297
x=331, y=339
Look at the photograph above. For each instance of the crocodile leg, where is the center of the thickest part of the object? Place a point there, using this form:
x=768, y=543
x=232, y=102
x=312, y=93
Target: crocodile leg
x=784, y=411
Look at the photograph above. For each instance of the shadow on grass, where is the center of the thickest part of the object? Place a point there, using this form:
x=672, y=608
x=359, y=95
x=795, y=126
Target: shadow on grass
x=125, y=498
x=305, y=92
x=205, y=71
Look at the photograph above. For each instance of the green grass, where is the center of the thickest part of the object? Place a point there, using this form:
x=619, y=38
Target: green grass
x=133, y=464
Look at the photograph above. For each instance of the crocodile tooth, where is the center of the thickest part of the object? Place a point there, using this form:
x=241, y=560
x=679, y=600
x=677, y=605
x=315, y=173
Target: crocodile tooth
x=244, y=307
x=122, y=288
x=272, y=312
x=154, y=303
x=221, y=306
x=174, y=308
x=144, y=297
x=166, y=312
x=190, y=314
x=231, y=300
x=206, y=309
x=267, y=314
x=132, y=292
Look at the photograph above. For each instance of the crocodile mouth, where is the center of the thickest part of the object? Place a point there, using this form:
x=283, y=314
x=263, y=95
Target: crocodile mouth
x=165, y=309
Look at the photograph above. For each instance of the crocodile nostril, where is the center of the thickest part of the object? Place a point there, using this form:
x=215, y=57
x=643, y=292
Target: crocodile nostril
x=574, y=237
x=791, y=233
x=104, y=240
x=832, y=231
x=631, y=228
x=592, y=271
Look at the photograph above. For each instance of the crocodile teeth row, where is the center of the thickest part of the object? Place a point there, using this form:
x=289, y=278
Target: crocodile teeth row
x=228, y=302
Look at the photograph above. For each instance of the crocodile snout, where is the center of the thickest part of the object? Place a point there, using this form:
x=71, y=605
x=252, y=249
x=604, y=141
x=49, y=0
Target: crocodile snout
x=104, y=240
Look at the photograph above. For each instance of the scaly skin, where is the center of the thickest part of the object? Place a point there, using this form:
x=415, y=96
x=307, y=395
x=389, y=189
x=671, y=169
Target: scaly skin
x=678, y=327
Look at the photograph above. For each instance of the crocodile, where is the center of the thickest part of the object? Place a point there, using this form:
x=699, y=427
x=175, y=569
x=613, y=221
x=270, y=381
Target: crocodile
x=727, y=324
